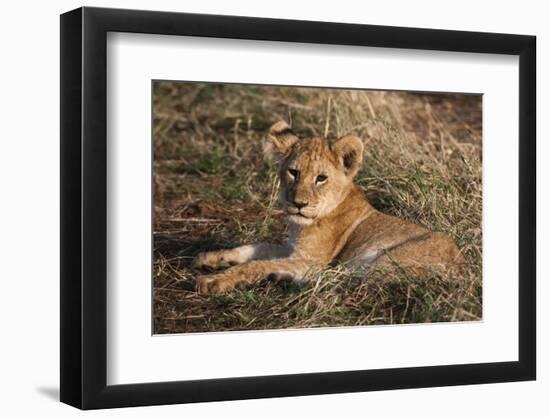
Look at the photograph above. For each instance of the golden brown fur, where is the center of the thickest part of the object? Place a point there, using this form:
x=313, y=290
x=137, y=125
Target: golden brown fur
x=330, y=220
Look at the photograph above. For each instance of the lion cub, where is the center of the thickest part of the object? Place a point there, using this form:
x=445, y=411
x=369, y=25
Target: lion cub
x=330, y=219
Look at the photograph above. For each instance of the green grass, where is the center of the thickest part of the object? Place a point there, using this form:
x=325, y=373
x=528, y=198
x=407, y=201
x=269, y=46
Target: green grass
x=214, y=190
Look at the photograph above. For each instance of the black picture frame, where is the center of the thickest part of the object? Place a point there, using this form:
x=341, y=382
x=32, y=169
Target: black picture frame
x=84, y=207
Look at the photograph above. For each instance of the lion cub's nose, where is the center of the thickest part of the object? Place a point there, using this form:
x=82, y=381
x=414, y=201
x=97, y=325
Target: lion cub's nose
x=300, y=204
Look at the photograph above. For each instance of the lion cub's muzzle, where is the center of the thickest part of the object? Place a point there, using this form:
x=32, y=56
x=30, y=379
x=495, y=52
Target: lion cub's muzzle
x=301, y=213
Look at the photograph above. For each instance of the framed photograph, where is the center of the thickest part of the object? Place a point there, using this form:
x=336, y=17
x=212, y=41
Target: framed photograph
x=258, y=208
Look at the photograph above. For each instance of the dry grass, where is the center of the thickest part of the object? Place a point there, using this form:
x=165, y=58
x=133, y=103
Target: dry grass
x=214, y=190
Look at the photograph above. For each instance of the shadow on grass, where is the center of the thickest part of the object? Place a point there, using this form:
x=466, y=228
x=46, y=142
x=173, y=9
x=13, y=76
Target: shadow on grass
x=187, y=250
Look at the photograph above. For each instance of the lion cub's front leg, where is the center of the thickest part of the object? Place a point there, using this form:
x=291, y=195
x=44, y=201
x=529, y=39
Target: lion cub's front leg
x=230, y=257
x=279, y=270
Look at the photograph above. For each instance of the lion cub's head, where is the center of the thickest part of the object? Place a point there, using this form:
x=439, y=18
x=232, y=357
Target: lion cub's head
x=315, y=175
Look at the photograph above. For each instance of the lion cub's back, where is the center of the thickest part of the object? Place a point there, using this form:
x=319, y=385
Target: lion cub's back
x=382, y=239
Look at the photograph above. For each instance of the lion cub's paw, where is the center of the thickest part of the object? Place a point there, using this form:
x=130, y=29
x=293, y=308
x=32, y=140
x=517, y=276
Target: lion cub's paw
x=214, y=260
x=215, y=284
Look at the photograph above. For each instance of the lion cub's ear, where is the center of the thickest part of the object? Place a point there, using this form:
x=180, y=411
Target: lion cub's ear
x=279, y=141
x=349, y=150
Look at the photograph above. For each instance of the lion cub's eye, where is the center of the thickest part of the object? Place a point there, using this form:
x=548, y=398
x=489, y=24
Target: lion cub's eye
x=294, y=173
x=320, y=179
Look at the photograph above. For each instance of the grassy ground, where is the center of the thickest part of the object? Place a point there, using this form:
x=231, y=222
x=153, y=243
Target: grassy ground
x=214, y=190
